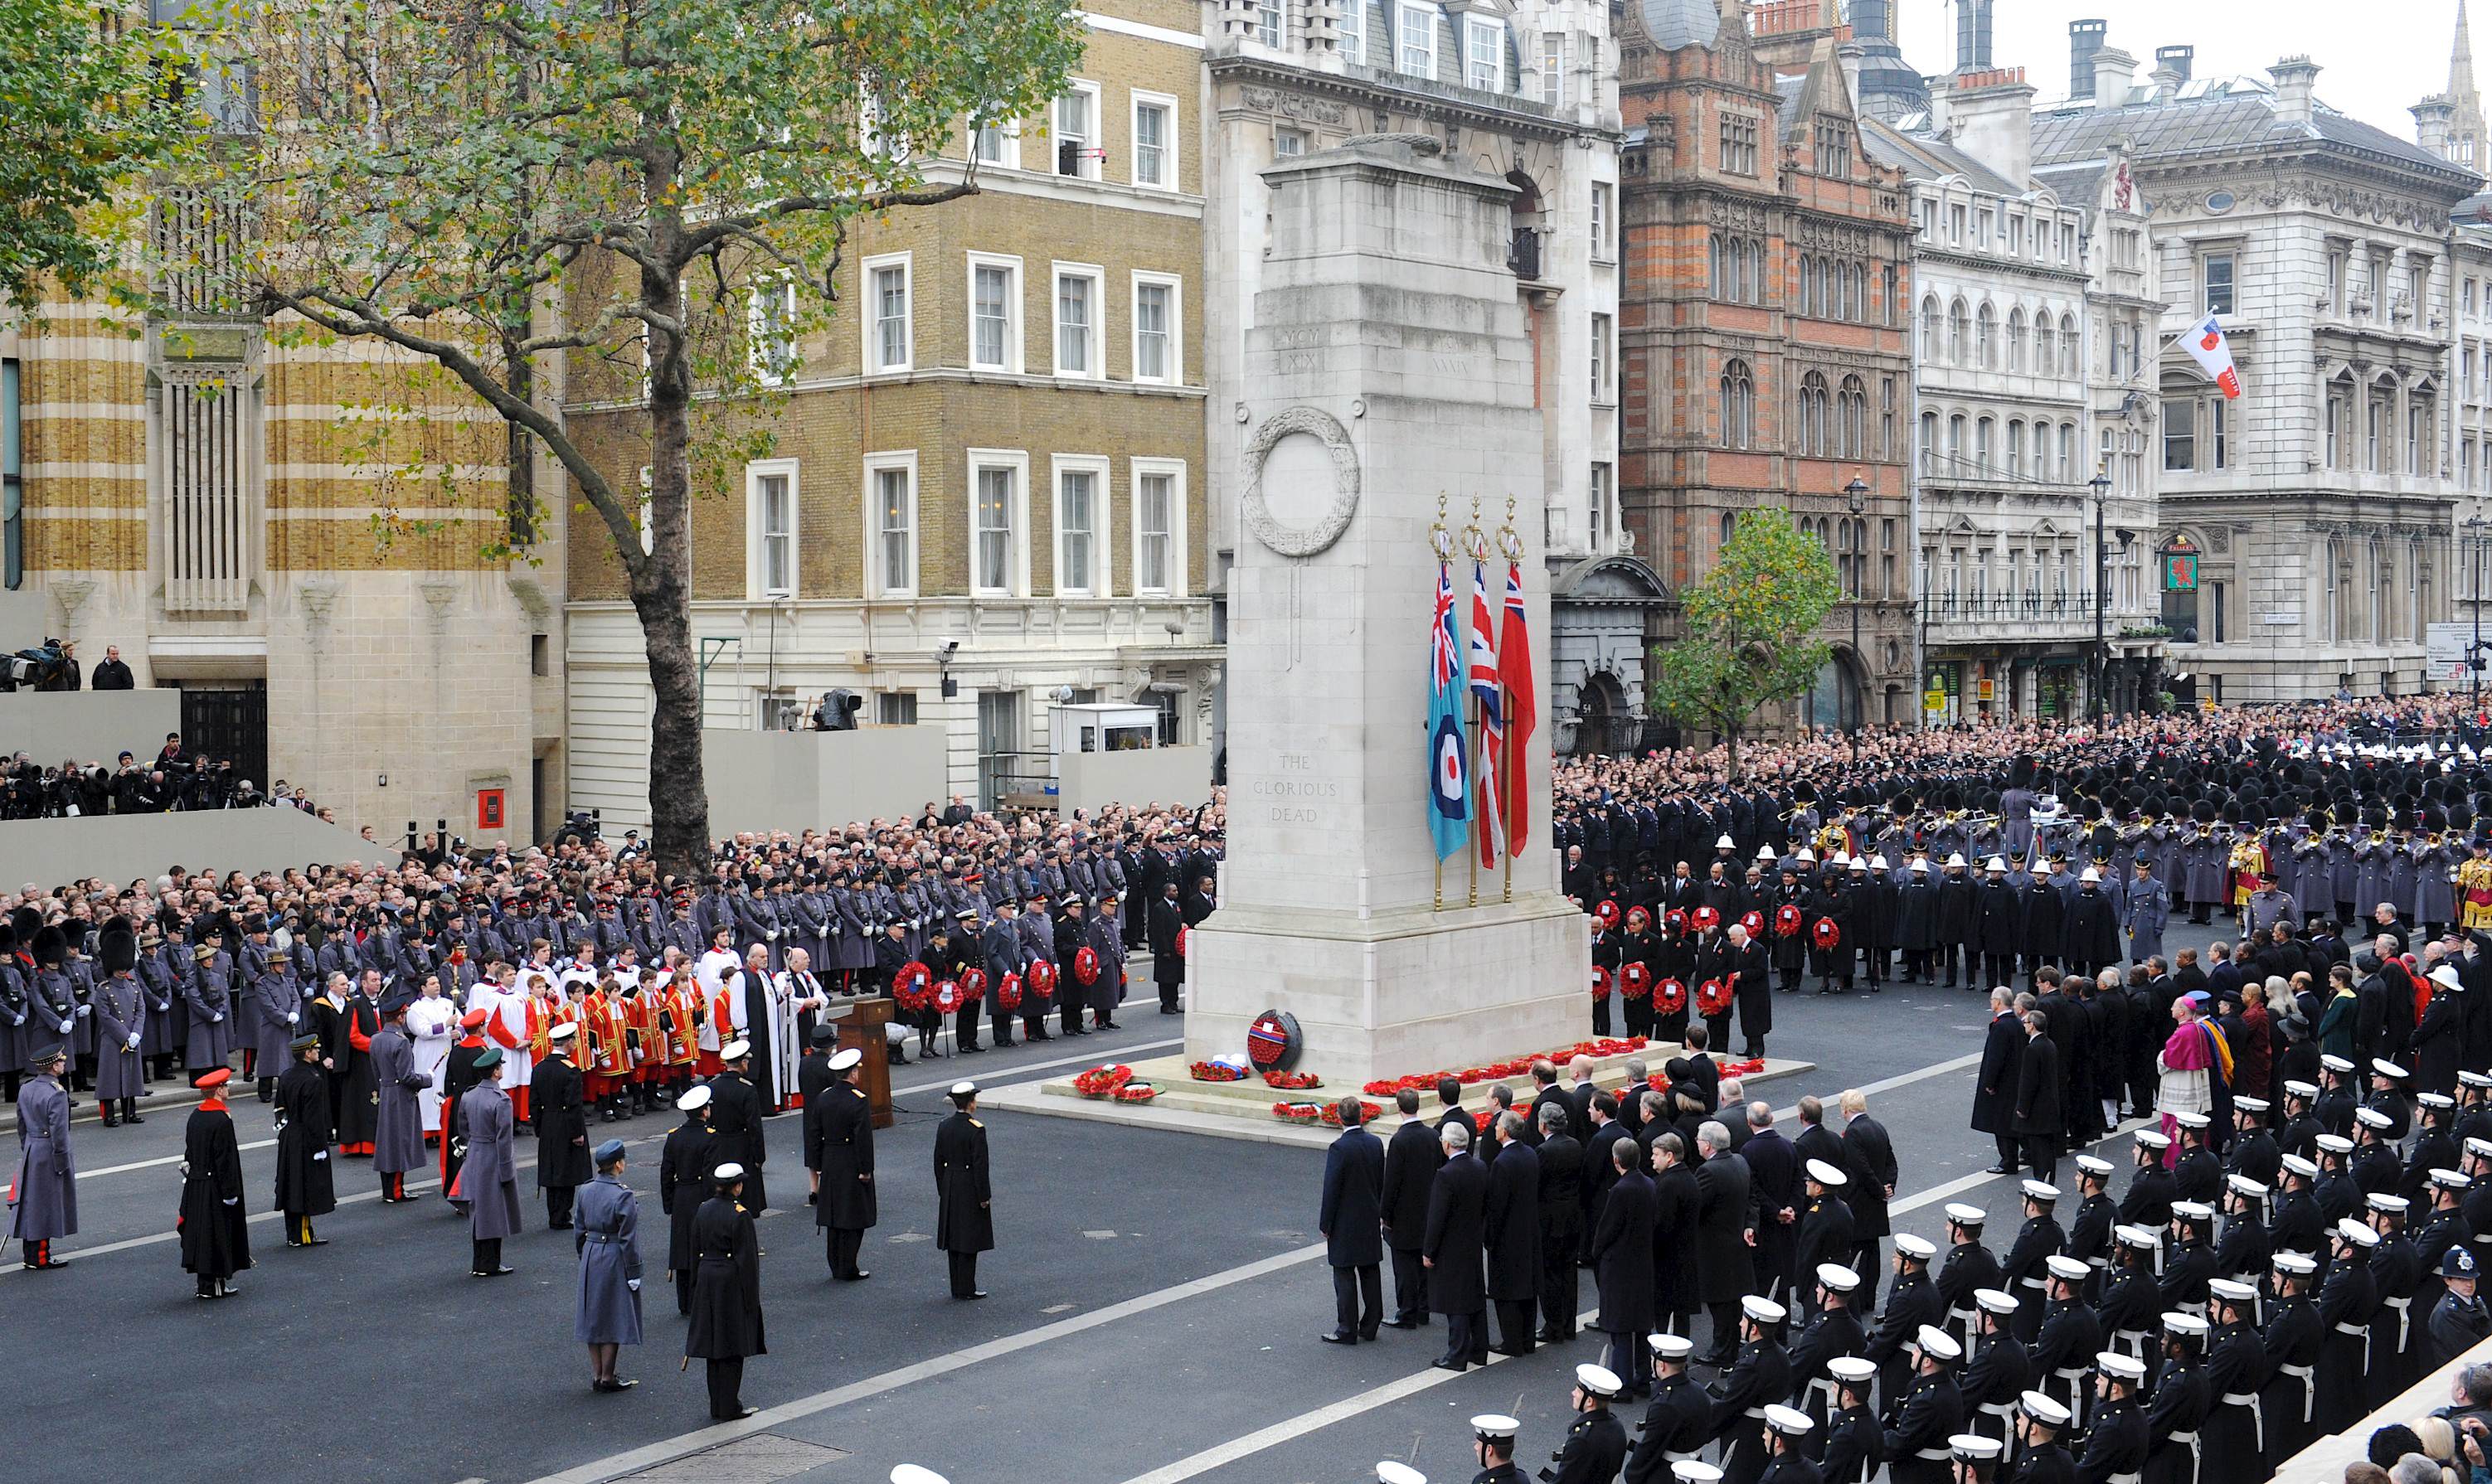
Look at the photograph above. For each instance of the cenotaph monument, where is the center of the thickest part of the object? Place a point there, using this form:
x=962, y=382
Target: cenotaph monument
x=1389, y=378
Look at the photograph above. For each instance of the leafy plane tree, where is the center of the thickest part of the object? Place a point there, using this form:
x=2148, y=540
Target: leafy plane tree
x=653, y=195
x=1749, y=628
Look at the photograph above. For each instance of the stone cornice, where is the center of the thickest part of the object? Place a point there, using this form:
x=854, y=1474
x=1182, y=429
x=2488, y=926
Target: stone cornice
x=1466, y=106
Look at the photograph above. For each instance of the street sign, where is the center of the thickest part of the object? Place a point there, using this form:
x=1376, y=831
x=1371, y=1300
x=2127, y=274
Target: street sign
x=1934, y=700
x=2180, y=570
x=1981, y=690
x=2443, y=650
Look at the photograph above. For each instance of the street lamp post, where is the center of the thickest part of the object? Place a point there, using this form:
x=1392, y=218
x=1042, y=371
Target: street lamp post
x=2475, y=526
x=1855, y=498
x=2100, y=485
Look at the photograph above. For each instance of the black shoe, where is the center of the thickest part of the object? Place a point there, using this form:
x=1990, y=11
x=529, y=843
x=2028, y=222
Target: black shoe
x=973, y=1293
x=558, y=1226
x=1401, y=1323
x=1510, y=1352
x=1997, y=1170
x=1447, y=1363
x=497, y=1273
x=1338, y=1337
x=1547, y=1336
x=970, y=1051
x=131, y=1118
x=1717, y=1359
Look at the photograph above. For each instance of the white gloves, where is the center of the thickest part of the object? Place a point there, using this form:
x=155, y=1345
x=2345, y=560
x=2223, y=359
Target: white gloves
x=292, y=1017
x=323, y=1154
x=86, y=1010
x=217, y=1019
x=634, y=1284
x=233, y=1199
x=133, y=1043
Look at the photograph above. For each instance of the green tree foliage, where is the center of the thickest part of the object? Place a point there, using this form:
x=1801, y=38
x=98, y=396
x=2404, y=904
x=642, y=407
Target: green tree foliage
x=89, y=102
x=495, y=186
x=1749, y=630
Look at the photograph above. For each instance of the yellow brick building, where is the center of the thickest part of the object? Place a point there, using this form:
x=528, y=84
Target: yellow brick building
x=996, y=442
x=294, y=538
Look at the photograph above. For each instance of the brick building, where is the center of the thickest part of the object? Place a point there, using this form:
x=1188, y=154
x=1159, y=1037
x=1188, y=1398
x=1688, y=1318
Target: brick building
x=291, y=536
x=995, y=443
x=1766, y=321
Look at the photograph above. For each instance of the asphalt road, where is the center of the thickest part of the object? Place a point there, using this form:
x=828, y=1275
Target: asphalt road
x=1156, y=1299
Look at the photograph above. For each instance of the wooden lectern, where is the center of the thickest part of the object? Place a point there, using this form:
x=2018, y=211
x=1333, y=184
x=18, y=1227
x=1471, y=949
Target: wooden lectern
x=860, y=1024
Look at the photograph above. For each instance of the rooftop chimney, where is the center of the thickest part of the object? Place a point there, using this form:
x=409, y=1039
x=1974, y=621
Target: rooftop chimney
x=2115, y=75
x=1990, y=117
x=2085, y=39
x=2293, y=78
x=2176, y=58
x=2431, y=123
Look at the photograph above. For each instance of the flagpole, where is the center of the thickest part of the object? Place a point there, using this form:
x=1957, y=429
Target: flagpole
x=1442, y=541
x=1512, y=768
x=1474, y=545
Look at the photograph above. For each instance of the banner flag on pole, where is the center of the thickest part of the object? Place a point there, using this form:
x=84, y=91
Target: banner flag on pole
x=1448, y=759
x=1521, y=712
x=1492, y=741
x=2213, y=354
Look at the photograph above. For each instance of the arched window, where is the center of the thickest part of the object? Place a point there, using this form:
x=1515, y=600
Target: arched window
x=2069, y=345
x=1854, y=443
x=1929, y=442
x=2046, y=344
x=1814, y=432
x=1729, y=524
x=1955, y=444
x=1981, y=447
x=2016, y=340
x=1717, y=259
x=2067, y=453
x=1986, y=337
x=1959, y=333
x=1739, y=405
x=2015, y=449
x=1929, y=330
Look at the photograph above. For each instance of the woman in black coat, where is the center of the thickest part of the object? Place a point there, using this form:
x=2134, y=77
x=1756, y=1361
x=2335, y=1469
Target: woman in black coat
x=1674, y=958
x=727, y=1294
x=1637, y=945
x=965, y=1221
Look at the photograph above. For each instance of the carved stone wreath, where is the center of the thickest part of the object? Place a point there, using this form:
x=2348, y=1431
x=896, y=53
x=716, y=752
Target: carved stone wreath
x=1302, y=540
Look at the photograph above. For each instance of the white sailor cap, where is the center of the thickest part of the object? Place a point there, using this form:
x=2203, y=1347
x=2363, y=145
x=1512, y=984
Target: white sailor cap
x=2373, y=1118
x=963, y=1089
x=2333, y=1143
x=2439, y=1101
x=842, y=1060
x=1695, y=1471
x=1495, y=1427
x=2299, y=1264
x=2188, y=1120
x=730, y=1170
x=2382, y=1066
x=1961, y=1215
x=1598, y=1380
x=1765, y=1311
x=2153, y=1138
x=736, y=1051
x=2244, y=1185
x=2228, y=1291
x=1930, y=1340
x=1973, y=1449
x=1920, y=1248
x=1956, y=858
x=919, y=1473
x=2331, y=1062
x=2387, y=1200
x=2043, y=1409
x=2192, y=1210
x=1994, y=863
x=1670, y=1346
x=2295, y=1164
x=1995, y=1300
x=2068, y=1268
x=1851, y=1370
x=694, y=1100
x=2474, y=1079
x=2179, y=1322
x=563, y=1031
x=2145, y=1239
x=2448, y=1179
x=2296, y=1088
x=1392, y=1470
x=1789, y=1421
x=2093, y=1165
x=2041, y=1189
x=1826, y=1175
x=2120, y=1367
x=2480, y=1148
x=1723, y=843
x=1835, y=1278
x=2352, y=1230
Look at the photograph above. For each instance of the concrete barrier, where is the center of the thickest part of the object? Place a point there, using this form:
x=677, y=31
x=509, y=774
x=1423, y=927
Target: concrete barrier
x=2324, y=1462
x=89, y=726
x=790, y=780
x=1169, y=774
x=123, y=848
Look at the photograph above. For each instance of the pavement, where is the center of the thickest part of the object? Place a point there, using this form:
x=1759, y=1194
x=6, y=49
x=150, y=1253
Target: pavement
x=1155, y=1301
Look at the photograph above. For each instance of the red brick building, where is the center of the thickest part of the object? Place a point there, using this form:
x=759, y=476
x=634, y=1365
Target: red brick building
x=1765, y=319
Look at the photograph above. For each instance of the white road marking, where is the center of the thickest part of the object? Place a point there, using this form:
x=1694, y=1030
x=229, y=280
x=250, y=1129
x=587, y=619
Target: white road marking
x=684, y=1444
x=154, y=1164
x=1890, y=1084
x=1093, y=1059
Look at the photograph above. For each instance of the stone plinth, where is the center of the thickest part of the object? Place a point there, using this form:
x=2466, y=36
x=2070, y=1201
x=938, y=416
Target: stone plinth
x=1391, y=379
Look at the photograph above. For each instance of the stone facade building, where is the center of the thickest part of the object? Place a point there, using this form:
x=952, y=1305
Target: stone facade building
x=2014, y=271
x=292, y=535
x=1522, y=90
x=2316, y=510
x=1767, y=321
x=985, y=494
